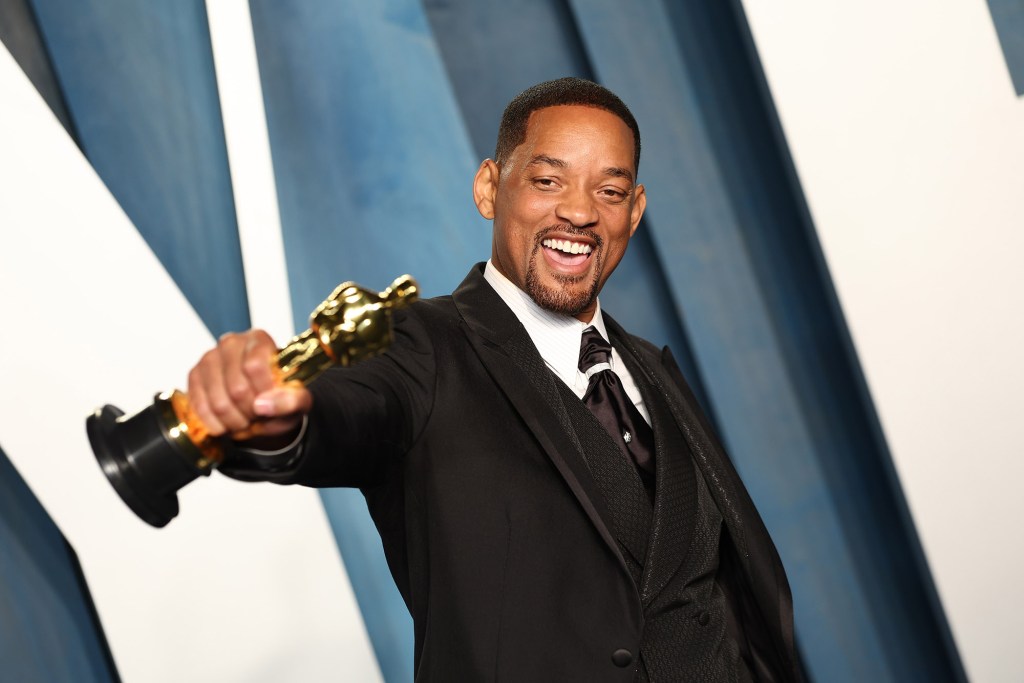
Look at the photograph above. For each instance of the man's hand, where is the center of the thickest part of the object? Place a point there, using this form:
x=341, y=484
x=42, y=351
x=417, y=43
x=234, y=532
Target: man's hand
x=234, y=391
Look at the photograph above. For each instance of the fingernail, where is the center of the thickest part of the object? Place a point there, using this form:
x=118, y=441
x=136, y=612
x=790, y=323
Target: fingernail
x=263, y=405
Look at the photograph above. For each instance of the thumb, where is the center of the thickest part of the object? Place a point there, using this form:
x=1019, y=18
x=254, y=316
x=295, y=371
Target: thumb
x=283, y=401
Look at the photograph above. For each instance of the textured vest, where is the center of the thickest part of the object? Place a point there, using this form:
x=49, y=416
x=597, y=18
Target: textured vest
x=686, y=634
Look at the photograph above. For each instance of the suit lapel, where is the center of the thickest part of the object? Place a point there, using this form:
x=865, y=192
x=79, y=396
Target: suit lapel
x=675, y=505
x=738, y=512
x=510, y=357
x=675, y=481
x=760, y=570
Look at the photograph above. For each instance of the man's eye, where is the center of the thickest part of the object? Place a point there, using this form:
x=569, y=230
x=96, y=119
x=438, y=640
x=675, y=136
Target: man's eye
x=546, y=183
x=613, y=193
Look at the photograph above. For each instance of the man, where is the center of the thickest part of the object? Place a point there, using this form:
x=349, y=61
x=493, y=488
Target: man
x=552, y=509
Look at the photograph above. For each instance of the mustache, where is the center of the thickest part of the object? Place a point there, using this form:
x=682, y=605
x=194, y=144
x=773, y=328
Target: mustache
x=570, y=230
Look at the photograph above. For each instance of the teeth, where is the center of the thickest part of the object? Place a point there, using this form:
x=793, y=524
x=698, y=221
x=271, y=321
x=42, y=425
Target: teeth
x=567, y=246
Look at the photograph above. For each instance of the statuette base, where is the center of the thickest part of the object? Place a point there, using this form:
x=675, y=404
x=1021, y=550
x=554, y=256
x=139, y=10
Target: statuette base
x=142, y=462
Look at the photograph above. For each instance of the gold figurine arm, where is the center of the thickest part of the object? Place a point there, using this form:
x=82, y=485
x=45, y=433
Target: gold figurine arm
x=351, y=325
x=302, y=359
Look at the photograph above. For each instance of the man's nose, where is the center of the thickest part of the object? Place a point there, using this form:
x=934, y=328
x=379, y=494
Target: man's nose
x=577, y=208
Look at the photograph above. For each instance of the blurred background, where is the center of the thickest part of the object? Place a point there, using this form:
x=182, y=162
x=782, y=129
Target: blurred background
x=831, y=248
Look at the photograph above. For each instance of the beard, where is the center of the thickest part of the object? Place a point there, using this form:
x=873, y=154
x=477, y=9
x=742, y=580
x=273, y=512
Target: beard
x=574, y=293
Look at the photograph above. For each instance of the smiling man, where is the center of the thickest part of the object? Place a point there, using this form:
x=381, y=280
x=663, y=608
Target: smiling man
x=563, y=201
x=552, y=504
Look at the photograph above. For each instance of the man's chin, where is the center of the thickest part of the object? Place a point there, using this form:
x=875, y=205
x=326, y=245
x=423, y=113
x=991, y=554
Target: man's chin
x=560, y=292
x=567, y=300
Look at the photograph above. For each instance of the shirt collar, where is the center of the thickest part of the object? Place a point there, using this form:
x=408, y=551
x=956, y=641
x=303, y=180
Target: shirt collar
x=556, y=336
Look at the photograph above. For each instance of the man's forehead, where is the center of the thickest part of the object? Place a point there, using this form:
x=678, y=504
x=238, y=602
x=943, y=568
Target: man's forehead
x=553, y=121
x=560, y=114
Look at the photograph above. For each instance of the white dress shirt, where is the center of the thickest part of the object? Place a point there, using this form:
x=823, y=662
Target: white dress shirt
x=557, y=338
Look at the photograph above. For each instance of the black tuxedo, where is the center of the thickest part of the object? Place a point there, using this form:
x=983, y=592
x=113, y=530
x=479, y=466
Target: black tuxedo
x=491, y=523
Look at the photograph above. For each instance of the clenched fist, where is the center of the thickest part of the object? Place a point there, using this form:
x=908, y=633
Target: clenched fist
x=235, y=390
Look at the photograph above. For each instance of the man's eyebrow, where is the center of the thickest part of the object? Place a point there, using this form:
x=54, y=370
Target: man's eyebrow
x=617, y=172
x=550, y=161
x=613, y=171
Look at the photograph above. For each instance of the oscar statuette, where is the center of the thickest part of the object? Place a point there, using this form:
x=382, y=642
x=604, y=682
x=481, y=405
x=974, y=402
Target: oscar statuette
x=148, y=456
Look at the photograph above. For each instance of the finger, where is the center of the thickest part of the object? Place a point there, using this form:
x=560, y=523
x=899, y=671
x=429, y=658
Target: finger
x=257, y=361
x=198, y=394
x=289, y=400
x=239, y=389
x=218, y=398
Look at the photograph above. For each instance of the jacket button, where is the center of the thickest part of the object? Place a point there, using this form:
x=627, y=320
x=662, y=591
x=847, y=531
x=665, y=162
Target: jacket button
x=622, y=657
x=704, y=618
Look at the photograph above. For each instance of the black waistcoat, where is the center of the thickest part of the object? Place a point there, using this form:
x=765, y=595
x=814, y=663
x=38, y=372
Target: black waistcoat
x=688, y=634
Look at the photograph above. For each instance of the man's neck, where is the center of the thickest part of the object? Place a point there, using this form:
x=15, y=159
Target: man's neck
x=522, y=303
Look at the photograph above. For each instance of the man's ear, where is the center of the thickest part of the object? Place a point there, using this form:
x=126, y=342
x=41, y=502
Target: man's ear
x=637, y=212
x=485, y=188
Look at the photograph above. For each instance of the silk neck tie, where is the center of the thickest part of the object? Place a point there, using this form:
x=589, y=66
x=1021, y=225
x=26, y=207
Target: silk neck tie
x=608, y=401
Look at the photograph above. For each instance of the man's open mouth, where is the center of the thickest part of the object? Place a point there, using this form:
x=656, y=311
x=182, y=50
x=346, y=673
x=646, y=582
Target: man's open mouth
x=567, y=252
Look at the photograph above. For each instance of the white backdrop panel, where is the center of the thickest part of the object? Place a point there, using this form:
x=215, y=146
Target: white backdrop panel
x=246, y=584
x=909, y=142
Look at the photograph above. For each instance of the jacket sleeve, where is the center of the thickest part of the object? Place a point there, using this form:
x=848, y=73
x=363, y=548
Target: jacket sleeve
x=364, y=418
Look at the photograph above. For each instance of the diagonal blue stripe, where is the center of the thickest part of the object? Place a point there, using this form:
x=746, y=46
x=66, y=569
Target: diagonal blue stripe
x=140, y=89
x=19, y=33
x=1008, y=17
x=373, y=171
x=48, y=628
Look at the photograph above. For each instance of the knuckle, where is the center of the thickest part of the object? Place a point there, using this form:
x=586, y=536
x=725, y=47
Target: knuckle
x=239, y=391
x=254, y=365
x=258, y=339
x=228, y=342
x=221, y=406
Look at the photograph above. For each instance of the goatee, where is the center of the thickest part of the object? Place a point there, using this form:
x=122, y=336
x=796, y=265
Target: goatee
x=574, y=295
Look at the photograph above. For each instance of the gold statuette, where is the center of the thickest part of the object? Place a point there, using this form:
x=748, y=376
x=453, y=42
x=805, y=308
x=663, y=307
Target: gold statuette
x=149, y=456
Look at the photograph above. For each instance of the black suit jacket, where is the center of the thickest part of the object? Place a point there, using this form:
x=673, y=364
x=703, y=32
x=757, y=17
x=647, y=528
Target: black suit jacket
x=489, y=519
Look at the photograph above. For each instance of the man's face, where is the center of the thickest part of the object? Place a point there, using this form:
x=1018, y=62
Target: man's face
x=564, y=206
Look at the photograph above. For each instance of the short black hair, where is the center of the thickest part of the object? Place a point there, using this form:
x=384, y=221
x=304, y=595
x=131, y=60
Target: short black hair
x=563, y=91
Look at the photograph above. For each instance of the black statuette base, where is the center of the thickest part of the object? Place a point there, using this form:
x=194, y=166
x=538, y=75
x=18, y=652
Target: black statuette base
x=142, y=463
